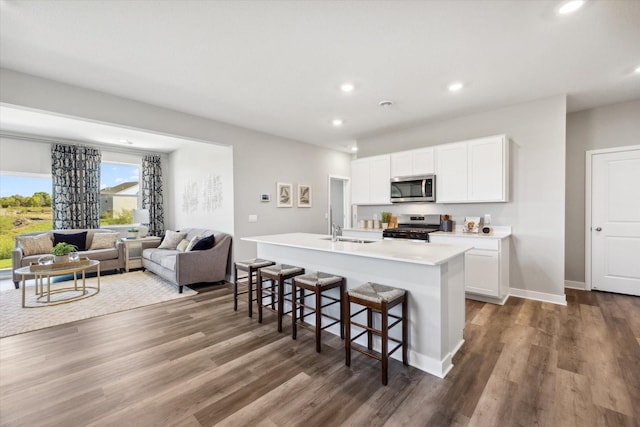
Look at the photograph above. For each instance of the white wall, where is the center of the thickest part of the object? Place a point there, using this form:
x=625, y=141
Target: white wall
x=259, y=159
x=537, y=184
x=24, y=157
x=611, y=126
x=190, y=168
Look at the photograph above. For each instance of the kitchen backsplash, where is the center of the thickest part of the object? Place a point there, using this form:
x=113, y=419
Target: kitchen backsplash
x=457, y=212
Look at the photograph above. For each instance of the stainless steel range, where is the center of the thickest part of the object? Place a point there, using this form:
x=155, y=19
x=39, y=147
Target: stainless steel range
x=413, y=227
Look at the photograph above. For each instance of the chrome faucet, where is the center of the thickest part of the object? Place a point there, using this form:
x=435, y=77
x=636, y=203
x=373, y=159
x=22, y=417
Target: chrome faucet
x=335, y=232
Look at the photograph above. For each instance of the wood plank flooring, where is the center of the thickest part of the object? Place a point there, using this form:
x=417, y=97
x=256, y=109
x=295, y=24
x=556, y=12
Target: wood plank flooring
x=196, y=362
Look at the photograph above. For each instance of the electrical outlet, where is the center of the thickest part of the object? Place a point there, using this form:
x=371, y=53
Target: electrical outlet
x=487, y=219
x=253, y=218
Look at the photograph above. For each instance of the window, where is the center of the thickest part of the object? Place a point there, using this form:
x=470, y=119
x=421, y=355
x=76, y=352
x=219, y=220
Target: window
x=25, y=207
x=119, y=192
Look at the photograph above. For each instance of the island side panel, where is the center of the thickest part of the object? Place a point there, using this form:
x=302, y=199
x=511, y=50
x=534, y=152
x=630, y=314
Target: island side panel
x=428, y=320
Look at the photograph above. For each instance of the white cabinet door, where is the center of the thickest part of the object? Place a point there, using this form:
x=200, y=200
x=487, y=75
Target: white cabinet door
x=422, y=161
x=487, y=170
x=481, y=272
x=370, y=180
x=360, y=185
x=380, y=193
x=412, y=163
x=451, y=173
x=401, y=164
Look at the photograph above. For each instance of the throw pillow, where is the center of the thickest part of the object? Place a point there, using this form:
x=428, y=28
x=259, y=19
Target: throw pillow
x=172, y=239
x=182, y=246
x=193, y=242
x=35, y=245
x=104, y=241
x=79, y=240
x=205, y=243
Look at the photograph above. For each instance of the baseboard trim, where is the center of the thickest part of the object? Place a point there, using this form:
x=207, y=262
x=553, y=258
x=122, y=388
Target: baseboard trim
x=538, y=296
x=575, y=285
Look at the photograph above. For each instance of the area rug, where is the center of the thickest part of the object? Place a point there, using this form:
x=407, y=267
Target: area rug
x=118, y=292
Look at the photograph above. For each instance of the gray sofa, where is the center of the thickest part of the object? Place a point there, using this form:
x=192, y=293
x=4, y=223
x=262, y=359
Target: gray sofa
x=186, y=268
x=110, y=259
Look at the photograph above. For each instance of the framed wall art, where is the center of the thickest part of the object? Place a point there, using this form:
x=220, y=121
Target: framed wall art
x=304, y=196
x=283, y=191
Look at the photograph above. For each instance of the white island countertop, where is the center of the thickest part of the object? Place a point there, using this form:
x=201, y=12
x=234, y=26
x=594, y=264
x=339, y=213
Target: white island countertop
x=395, y=250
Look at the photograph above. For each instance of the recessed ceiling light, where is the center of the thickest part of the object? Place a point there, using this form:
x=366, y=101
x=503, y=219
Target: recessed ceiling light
x=570, y=6
x=354, y=149
x=337, y=122
x=347, y=87
x=454, y=87
x=637, y=70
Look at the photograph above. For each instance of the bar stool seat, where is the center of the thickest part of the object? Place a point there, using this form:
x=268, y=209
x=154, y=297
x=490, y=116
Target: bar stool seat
x=278, y=274
x=317, y=283
x=379, y=299
x=250, y=266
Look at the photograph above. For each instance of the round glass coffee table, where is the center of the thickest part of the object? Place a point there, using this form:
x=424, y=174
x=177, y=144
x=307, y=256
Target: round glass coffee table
x=75, y=292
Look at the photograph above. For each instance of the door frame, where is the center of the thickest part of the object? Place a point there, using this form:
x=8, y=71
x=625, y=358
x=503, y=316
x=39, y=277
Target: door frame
x=588, y=205
x=346, y=191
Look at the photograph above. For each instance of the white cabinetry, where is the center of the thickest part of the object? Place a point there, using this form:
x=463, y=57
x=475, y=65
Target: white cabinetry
x=370, y=180
x=486, y=270
x=360, y=233
x=412, y=163
x=473, y=171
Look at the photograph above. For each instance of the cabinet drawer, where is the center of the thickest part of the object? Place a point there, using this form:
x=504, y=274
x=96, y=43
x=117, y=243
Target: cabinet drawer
x=476, y=242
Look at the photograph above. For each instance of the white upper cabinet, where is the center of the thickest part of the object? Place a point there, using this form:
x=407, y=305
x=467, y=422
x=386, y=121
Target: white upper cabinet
x=451, y=173
x=370, y=180
x=473, y=171
x=413, y=162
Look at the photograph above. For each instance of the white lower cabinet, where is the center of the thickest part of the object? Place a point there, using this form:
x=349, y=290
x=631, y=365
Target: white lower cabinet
x=486, y=269
x=481, y=270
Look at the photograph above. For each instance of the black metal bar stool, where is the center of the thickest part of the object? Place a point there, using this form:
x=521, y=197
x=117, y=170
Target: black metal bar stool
x=250, y=266
x=277, y=274
x=376, y=298
x=317, y=284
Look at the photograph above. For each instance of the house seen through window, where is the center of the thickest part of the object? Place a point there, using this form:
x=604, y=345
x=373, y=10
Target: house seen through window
x=119, y=191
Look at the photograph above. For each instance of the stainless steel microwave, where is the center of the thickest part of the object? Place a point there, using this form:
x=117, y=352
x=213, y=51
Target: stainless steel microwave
x=413, y=189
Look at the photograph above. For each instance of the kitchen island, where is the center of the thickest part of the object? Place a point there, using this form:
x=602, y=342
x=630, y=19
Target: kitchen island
x=433, y=275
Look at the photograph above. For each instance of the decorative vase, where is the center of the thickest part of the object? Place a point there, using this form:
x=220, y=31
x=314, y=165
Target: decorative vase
x=385, y=225
x=132, y=234
x=60, y=259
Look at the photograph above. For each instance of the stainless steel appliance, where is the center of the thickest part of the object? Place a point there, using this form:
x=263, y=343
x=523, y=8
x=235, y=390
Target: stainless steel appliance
x=413, y=189
x=413, y=227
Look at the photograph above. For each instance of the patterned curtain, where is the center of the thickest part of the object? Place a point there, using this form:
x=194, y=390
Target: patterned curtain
x=152, y=193
x=75, y=171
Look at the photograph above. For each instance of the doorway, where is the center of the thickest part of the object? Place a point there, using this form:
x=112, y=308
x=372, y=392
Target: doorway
x=339, y=206
x=612, y=223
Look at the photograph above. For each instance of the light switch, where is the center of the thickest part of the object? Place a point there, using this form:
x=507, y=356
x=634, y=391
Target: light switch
x=253, y=218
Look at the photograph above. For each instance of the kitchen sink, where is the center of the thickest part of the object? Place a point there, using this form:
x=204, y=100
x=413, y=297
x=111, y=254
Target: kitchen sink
x=350, y=239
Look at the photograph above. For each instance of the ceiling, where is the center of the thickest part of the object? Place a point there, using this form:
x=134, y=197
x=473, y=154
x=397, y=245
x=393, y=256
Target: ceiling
x=276, y=66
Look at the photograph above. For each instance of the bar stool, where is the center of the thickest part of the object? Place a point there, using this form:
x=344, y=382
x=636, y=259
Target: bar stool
x=278, y=274
x=250, y=266
x=376, y=298
x=316, y=283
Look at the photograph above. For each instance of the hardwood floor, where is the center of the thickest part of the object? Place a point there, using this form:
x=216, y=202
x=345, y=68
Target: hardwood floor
x=196, y=362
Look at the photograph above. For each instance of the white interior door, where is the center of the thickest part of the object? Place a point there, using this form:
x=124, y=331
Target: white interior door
x=615, y=222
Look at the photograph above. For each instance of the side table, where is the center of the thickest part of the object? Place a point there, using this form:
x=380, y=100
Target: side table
x=135, y=261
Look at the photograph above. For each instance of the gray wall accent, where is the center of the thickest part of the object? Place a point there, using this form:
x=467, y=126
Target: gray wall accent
x=259, y=159
x=611, y=126
x=537, y=162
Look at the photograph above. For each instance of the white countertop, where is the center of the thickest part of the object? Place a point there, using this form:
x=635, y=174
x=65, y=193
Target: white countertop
x=396, y=250
x=496, y=233
x=374, y=230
